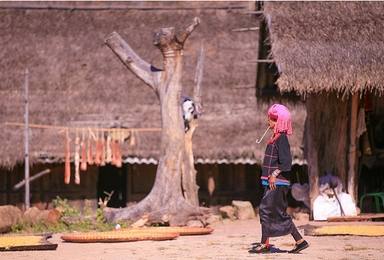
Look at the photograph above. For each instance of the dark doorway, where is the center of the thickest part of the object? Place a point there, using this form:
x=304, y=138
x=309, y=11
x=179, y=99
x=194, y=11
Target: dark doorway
x=113, y=179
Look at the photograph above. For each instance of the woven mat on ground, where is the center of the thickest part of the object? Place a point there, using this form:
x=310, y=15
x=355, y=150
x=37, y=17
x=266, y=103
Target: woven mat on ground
x=183, y=231
x=112, y=236
x=343, y=230
x=25, y=243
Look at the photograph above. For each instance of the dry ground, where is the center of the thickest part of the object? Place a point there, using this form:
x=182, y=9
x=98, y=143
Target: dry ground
x=230, y=240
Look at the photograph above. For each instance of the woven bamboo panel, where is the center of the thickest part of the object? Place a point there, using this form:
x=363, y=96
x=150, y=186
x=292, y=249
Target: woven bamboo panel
x=112, y=236
x=183, y=231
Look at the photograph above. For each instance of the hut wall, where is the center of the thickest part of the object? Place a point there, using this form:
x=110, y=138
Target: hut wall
x=232, y=182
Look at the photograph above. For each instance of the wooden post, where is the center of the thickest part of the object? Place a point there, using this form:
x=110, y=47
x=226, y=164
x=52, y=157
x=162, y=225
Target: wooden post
x=311, y=154
x=351, y=185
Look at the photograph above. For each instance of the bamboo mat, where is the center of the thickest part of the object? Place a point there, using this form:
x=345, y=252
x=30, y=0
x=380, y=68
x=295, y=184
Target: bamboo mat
x=124, y=236
x=25, y=243
x=344, y=230
x=183, y=231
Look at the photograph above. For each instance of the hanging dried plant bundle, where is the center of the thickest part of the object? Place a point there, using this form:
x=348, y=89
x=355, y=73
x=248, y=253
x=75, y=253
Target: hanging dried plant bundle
x=119, y=162
x=102, y=150
x=67, y=170
x=83, y=165
x=90, y=155
x=109, y=151
x=77, y=160
x=113, y=162
x=97, y=151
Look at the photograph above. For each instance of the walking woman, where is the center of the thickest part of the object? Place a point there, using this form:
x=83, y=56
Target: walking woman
x=277, y=163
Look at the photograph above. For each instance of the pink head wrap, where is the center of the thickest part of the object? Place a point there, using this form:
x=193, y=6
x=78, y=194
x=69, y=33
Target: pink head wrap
x=283, y=116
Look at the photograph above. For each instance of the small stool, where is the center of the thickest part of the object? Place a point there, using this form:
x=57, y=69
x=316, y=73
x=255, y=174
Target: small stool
x=377, y=196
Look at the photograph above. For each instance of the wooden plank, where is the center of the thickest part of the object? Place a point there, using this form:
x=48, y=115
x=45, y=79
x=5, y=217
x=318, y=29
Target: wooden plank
x=363, y=217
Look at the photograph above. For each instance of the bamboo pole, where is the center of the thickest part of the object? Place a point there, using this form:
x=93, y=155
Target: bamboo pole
x=27, y=187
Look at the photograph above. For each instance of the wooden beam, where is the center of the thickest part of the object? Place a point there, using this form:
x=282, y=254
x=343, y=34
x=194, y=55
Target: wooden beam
x=55, y=6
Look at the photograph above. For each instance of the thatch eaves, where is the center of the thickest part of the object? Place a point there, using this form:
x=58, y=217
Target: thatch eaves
x=75, y=80
x=325, y=46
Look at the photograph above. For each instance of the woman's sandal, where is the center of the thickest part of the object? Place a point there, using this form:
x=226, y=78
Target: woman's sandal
x=261, y=249
x=299, y=247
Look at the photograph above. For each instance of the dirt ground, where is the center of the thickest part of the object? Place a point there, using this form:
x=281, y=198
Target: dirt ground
x=229, y=240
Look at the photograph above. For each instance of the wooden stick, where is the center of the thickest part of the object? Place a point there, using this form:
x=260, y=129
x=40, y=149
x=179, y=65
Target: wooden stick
x=261, y=61
x=245, y=29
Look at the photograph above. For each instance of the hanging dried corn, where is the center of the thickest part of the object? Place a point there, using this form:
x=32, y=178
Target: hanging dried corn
x=83, y=165
x=102, y=152
x=77, y=159
x=67, y=170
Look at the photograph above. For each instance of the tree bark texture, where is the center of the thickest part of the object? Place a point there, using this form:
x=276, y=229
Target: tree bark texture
x=165, y=202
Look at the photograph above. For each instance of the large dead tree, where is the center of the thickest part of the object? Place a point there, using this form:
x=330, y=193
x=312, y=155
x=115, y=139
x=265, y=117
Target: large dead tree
x=165, y=202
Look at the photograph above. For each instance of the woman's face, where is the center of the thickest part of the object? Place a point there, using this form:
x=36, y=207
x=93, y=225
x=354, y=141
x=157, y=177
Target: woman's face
x=271, y=122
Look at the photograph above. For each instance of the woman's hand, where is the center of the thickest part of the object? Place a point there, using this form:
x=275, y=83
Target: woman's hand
x=272, y=182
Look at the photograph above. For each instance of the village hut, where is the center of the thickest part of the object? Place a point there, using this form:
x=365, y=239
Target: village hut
x=330, y=53
x=77, y=86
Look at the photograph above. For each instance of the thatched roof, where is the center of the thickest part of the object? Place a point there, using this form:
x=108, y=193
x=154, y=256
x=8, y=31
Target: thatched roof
x=324, y=46
x=75, y=80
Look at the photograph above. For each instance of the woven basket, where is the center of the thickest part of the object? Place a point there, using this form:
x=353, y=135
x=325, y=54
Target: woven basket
x=183, y=231
x=112, y=236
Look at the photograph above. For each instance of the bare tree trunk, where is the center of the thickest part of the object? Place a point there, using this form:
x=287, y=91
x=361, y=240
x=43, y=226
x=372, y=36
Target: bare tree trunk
x=189, y=172
x=165, y=202
x=190, y=187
